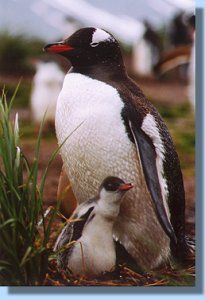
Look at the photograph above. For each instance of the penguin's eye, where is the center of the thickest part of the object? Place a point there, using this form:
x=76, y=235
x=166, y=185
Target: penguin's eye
x=111, y=187
x=94, y=44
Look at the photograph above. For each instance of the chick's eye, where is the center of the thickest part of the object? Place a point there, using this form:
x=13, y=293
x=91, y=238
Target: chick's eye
x=109, y=186
x=94, y=44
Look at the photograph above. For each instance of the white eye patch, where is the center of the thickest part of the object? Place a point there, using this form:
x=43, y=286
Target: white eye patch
x=94, y=44
x=100, y=35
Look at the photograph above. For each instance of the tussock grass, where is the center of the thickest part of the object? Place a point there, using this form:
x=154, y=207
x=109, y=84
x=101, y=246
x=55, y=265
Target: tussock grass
x=24, y=251
x=23, y=95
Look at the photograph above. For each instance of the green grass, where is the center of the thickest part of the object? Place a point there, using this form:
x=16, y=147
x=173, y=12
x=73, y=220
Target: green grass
x=24, y=251
x=15, y=52
x=22, y=97
x=173, y=112
x=28, y=129
x=180, y=122
x=25, y=231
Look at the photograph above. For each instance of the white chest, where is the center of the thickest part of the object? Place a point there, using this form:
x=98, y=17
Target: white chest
x=100, y=146
x=94, y=252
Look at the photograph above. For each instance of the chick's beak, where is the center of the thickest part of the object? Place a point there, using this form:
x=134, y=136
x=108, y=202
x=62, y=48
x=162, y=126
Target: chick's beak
x=57, y=47
x=125, y=187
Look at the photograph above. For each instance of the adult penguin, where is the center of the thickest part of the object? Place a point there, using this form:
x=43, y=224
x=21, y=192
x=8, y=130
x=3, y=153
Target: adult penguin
x=115, y=131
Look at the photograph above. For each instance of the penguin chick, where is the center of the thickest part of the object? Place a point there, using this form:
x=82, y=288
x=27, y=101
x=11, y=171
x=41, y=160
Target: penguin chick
x=90, y=231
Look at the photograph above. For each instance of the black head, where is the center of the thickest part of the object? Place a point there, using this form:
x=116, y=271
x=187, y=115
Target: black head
x=115, y=184
x=88, y=46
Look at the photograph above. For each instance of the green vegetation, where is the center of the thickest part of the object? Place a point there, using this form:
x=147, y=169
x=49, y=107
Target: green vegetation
x=180, y=121
x=16, y=55
x=23, y=96
x=25, y=250
x=15, y=52
x=177, y=277
x=173, y=112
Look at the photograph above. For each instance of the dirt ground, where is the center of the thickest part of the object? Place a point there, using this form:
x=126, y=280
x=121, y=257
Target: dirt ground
x=171, y=93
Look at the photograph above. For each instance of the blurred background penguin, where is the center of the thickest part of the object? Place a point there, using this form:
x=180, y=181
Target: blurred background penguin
x=46, y=86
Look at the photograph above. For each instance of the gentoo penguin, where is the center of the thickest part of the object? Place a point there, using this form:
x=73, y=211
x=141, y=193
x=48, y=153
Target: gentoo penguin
x=90, y=231
x=116, y=130
x=47, y=84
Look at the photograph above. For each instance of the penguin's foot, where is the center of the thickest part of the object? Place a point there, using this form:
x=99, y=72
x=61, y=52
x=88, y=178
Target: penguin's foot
x=184, y=251
x=190, y=243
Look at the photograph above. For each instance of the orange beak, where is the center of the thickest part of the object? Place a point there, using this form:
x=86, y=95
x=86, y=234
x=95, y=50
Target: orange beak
x=125, y=186
x=57, y=47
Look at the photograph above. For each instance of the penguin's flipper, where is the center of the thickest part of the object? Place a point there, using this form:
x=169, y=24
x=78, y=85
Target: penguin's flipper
x=79, y=224
x=148, y=156
x=71, y=232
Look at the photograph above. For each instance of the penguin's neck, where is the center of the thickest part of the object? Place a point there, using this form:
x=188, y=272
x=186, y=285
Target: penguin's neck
x=105, y=71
